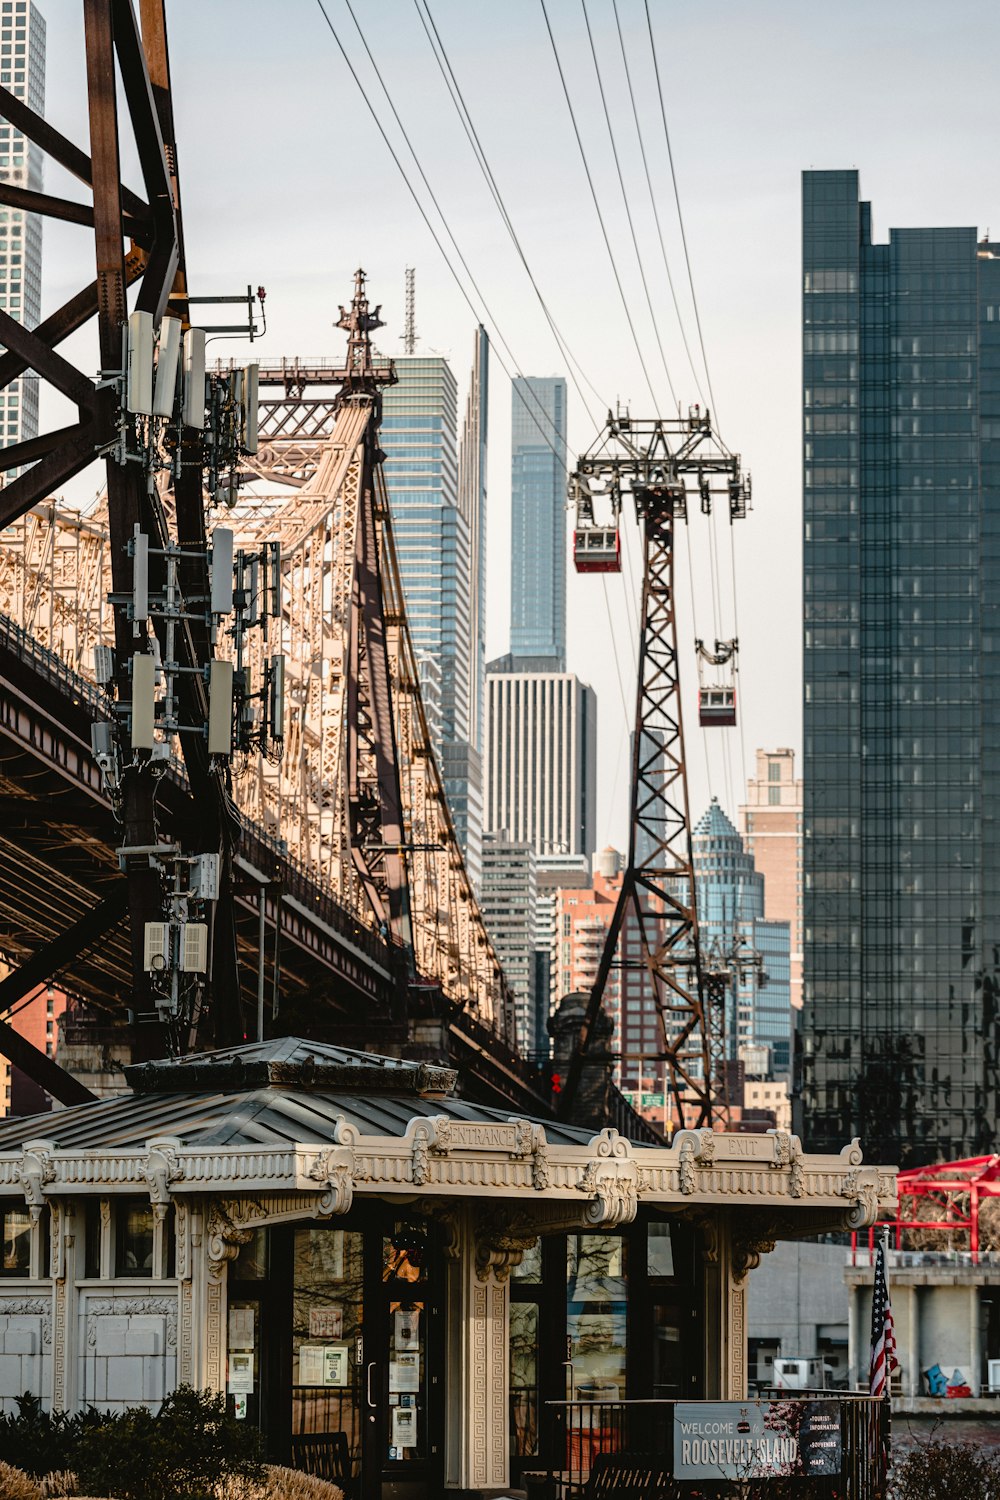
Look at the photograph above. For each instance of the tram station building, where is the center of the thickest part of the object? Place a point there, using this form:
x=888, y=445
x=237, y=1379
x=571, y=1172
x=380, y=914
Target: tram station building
x=361, y=1258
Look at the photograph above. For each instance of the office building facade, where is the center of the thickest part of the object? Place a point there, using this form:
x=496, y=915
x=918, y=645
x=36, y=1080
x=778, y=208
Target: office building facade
x=770, y=822
x=541, y=739
x=434, y=546
x=735, y=935
x=508, y=899
x=538, y=522
x=22, y=71
x=901, y=401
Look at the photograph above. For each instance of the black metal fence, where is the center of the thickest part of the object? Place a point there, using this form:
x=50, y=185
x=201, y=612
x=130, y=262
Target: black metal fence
x=593, y=1449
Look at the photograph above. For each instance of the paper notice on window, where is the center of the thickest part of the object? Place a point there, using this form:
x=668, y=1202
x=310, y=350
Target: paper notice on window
x=404, y=1426
x=311, y=1364
x=407, y=1328
x=241, y=1328
x=404, y=1373
x=241, y=1373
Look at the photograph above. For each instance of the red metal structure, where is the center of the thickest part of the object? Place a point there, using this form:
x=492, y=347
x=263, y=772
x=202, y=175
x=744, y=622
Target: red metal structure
x=945, y=1196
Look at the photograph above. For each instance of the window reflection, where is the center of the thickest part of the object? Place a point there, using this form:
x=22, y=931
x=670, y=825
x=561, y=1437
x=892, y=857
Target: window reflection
x=595, y=1317
x=16, y=1242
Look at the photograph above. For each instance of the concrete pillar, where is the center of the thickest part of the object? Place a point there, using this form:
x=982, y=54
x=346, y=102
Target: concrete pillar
x=477, y=1378
x=975, y=1342
x=853, y=1336
x=911, y=1360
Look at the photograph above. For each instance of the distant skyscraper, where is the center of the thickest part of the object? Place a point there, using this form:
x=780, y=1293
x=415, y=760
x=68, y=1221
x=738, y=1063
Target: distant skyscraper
x=541, y=732
x=583, y=919
x=508, y=900
x=901, y=396
x=433, y=542
x=730, y=898
x=771, y=824
x=22, y=70
x=538, y=523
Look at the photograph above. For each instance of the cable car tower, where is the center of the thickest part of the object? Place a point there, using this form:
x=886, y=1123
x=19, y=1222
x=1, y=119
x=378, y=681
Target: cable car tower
x=661, y=462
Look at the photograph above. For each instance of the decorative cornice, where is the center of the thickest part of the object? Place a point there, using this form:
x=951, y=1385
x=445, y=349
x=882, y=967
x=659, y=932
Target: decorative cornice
x=440, y=1155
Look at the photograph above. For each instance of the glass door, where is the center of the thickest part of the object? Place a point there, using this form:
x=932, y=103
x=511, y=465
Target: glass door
x=404, y=1384
x=327, y=1353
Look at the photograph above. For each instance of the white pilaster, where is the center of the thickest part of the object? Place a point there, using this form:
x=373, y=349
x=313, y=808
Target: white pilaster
x=476, y=1440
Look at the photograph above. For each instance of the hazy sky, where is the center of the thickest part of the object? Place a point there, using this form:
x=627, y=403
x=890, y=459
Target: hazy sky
x=287, y=182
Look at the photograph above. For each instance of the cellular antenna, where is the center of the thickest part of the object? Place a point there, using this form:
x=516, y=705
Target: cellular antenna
x=410, y=326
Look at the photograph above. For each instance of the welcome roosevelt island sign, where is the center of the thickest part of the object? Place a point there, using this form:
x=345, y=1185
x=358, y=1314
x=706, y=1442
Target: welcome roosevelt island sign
x=756, y=1439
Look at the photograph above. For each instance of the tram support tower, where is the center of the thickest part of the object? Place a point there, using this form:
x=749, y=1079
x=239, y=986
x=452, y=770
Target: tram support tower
x=662, y=462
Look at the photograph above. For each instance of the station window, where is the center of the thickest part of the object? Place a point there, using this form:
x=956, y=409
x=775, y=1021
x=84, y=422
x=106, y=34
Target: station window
x=134, y=1237
x=15, y=1236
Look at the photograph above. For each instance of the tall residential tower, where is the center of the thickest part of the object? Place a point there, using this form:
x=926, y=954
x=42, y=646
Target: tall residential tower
x=901, y=398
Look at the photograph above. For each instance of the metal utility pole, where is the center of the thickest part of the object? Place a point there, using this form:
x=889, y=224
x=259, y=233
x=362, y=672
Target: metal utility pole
x=662, y=462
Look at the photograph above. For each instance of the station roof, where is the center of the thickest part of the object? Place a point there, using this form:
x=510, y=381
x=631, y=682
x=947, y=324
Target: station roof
x=271, y=1094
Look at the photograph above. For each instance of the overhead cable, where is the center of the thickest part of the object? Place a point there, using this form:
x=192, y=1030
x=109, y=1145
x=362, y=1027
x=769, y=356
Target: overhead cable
x=680, y=215
x=422, y=211
x=597, y=206
x=458, y=99
x=628, y=210
x=656, y=211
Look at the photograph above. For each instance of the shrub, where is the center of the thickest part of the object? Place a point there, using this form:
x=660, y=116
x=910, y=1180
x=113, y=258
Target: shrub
x=59, y=1485
x=15, y=1484
x=181, y=1453
x=289, y=1484
x=946, y=1471
x=38, y=1441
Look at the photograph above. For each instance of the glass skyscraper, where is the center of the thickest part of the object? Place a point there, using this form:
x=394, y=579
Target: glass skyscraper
x=22, y=70
x=538, y=523
x=901, y=397
x=731, y=925
x=432, y=533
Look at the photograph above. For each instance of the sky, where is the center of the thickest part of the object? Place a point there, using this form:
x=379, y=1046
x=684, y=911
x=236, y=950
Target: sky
x=287, y=182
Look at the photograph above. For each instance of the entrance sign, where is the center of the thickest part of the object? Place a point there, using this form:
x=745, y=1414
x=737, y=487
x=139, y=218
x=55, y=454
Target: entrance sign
x=756, y=1439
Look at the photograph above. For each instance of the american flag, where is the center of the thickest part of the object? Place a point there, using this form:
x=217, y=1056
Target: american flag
x=883, y=1360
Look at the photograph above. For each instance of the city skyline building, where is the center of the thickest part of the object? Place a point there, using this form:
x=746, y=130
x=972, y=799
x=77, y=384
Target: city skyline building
x=735, y=934
x=508, y=900
x=901, y=470
x=434, y=546
x=583, y=919
x=541, y=755
x=770, y=822
x=538, y=523
x=22, y=71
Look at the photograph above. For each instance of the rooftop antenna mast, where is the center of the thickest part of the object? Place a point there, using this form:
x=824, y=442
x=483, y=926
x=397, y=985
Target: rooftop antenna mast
x=410, y=326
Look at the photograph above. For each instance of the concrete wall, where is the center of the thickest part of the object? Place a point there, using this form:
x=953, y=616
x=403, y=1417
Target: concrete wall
x=797, y=1295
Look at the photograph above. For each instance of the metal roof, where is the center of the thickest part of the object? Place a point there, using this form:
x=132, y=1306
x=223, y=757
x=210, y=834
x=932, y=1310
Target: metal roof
x=265, y=1094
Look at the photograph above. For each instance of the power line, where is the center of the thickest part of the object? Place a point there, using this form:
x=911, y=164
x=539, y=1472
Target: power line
x=462, y=109
x=677, y=200
x=597, y=206
x=628, y=211
x=458, y=99
x=420, y=208
x=656, y=211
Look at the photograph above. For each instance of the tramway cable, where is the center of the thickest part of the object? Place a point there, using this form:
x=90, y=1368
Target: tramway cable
x=628, y=210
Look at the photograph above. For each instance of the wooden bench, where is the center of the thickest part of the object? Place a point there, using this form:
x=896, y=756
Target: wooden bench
x=326, y=1455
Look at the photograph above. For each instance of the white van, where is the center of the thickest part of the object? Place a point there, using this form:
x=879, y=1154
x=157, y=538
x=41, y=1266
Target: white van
x=802, y=1375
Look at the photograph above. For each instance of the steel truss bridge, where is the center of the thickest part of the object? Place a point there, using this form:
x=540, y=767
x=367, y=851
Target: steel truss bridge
x=344, y=908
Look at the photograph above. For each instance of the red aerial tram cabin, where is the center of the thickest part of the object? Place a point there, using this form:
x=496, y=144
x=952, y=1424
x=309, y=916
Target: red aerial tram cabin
x=597, y=549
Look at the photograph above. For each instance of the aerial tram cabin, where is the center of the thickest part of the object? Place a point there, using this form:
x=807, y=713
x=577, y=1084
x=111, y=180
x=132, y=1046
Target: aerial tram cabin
x=717, y=699
x=597, y=549
x=717, y=706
